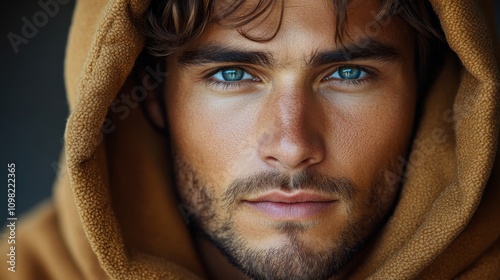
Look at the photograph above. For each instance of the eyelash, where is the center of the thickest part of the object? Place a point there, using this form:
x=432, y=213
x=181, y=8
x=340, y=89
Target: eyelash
x=370, y=74
x=228, y=85
x=233, y=85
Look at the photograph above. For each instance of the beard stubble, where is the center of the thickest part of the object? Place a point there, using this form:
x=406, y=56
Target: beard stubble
x=294, y=260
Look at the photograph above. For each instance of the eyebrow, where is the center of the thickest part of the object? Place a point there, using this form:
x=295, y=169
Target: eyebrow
x=217, y=54
x=368, y=49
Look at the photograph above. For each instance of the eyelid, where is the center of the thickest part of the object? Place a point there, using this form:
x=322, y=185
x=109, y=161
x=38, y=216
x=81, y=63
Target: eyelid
x=370, y=72
x=220, y=76
x=227, y=85
x=211, y=72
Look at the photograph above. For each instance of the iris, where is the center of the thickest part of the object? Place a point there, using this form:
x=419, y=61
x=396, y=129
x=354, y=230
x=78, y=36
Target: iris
x=232, y=74
x=349, y=73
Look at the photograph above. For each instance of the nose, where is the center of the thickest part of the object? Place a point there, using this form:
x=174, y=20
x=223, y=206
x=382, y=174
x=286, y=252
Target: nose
x=291, y=136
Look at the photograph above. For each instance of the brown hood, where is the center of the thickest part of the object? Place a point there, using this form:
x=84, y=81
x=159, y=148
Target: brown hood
x=115, y=214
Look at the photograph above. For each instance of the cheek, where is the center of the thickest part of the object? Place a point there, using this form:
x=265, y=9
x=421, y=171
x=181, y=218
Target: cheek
x=370, y=136
x=211, y=135
x=363, y=134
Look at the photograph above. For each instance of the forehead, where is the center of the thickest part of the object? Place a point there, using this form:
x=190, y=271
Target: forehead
x=298, y=23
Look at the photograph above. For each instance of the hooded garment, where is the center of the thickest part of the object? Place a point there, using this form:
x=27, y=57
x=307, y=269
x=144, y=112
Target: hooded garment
x=114, y=214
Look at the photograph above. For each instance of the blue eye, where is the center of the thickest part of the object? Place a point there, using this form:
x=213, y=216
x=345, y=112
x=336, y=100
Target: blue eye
x=232, y=74
x=348, y=73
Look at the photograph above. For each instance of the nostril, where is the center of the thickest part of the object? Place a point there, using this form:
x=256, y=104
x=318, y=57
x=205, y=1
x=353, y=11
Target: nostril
x=289, y=161
x=307, y=162
x=273, y=162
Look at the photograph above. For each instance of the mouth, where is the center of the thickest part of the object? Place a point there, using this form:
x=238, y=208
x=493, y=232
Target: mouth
x=297, y=205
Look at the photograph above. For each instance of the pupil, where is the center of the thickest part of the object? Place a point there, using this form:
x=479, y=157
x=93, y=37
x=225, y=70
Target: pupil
x=349, y=73
x=232, y=74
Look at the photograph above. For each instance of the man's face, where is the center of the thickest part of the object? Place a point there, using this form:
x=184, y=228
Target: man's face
x=281, y=146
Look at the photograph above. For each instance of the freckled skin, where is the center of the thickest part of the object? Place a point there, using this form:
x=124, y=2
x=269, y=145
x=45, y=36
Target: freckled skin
x=290, y=119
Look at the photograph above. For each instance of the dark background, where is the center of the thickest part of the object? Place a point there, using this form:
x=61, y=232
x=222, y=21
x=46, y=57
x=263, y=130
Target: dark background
x=33, y=109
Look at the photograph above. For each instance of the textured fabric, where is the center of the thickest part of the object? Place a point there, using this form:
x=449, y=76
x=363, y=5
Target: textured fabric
x=114, y=214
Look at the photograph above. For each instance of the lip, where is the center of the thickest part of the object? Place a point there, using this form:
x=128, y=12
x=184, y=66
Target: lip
x=298, y=205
